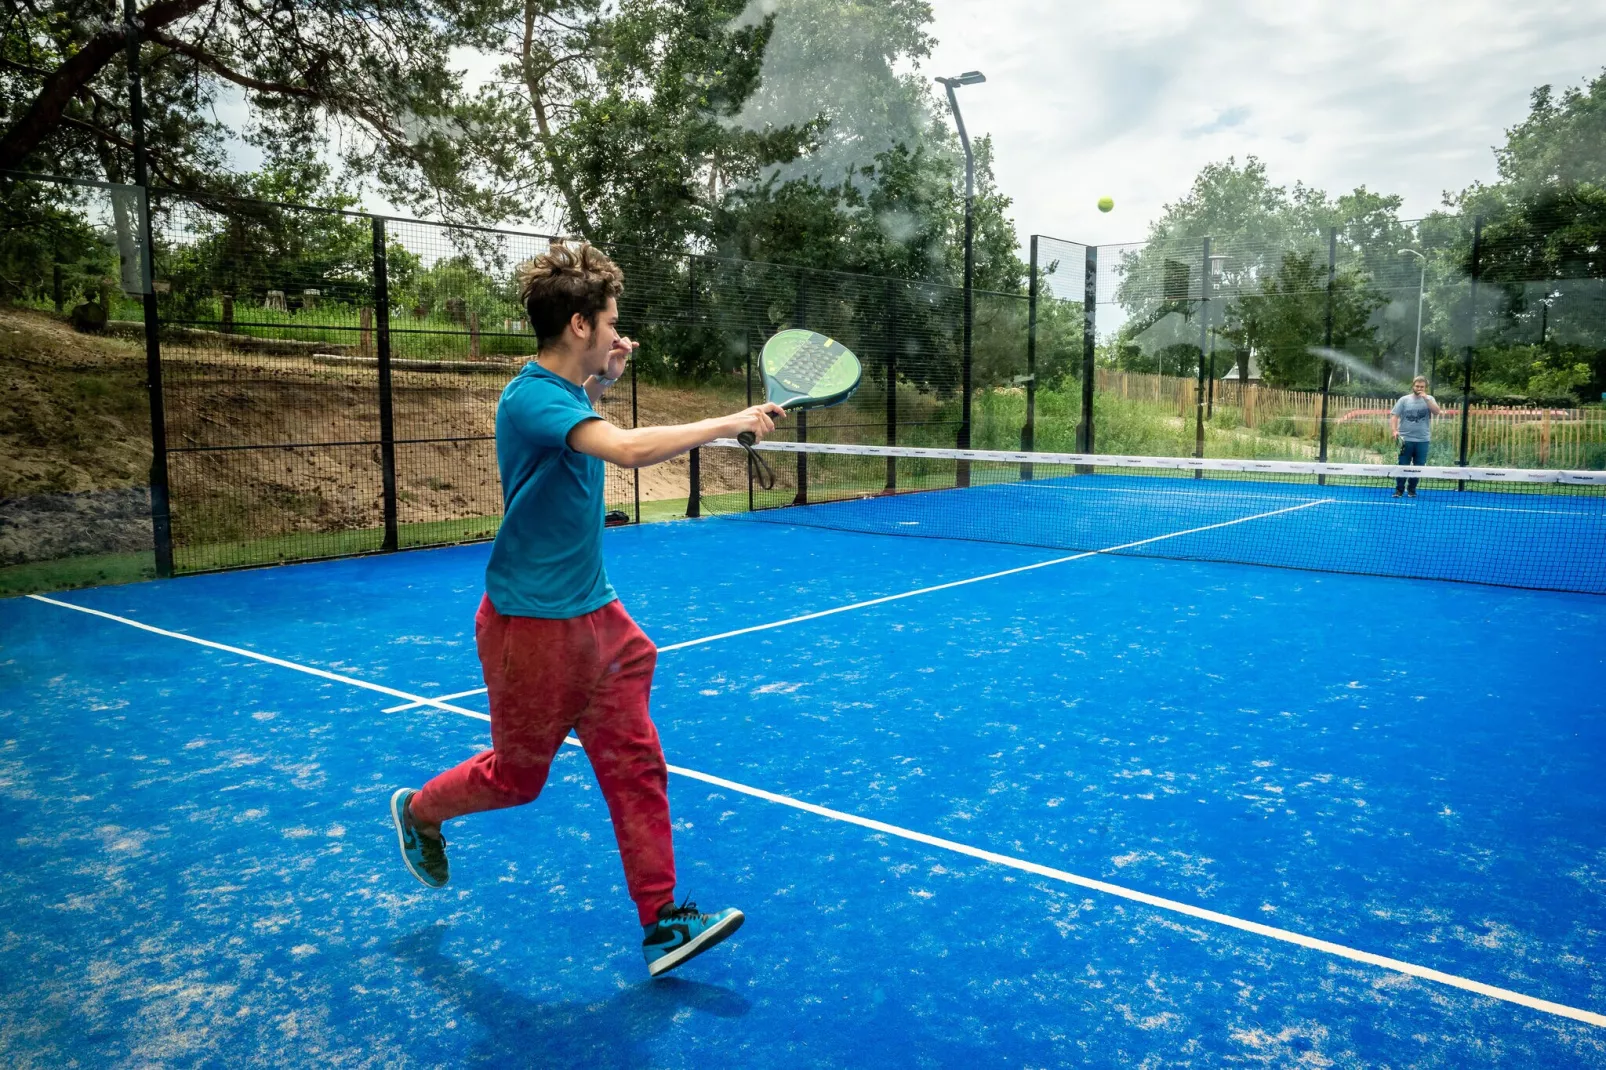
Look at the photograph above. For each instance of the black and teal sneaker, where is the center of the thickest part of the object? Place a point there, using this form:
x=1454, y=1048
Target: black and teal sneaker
x=425, y=856
x=681, y=933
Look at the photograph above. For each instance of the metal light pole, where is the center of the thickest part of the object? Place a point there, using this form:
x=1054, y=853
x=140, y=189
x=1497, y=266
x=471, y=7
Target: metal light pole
x=968, y=78
x=1421, y=293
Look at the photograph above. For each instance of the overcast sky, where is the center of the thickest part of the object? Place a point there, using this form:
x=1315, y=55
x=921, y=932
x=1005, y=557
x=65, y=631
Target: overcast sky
x=1129, y=99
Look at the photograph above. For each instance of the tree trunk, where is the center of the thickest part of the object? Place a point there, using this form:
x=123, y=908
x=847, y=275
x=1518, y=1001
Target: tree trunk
x=578, y=218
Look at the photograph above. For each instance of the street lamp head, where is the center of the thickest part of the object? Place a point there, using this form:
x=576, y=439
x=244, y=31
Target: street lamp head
x=968, y=78
x=1411, y=252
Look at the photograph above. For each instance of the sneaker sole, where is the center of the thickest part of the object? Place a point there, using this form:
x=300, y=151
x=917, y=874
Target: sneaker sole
x=396, y=800
x=702, y=942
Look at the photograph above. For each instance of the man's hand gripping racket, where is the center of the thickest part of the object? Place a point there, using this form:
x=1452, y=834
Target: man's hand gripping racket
x=802, y=370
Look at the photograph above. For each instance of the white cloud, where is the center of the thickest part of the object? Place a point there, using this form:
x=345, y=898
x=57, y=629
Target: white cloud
x=1130, y=99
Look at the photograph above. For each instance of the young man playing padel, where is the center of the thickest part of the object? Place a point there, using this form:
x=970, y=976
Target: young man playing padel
x=558, y=651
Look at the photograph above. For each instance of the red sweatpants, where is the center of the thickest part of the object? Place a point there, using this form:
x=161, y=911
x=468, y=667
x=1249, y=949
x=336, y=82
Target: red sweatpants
x=591, y=674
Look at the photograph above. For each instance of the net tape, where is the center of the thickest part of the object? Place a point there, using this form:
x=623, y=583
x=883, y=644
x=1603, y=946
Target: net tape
x=1204, y=464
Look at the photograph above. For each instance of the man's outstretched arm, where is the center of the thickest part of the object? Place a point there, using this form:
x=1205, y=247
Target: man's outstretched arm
x=642, y=446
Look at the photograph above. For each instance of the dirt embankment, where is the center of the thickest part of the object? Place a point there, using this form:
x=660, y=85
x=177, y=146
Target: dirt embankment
x=75, y=441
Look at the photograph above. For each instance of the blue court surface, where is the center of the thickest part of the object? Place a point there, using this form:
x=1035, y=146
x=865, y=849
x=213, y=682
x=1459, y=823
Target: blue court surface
x=1105, y=812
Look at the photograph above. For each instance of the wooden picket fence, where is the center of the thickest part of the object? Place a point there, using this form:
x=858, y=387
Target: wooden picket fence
x=1498, y=435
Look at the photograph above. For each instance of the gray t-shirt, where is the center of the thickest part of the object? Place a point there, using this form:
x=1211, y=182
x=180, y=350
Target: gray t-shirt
x=1415, y=418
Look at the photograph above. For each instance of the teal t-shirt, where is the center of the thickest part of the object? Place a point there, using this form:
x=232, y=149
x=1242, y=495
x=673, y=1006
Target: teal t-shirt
x=547, y=559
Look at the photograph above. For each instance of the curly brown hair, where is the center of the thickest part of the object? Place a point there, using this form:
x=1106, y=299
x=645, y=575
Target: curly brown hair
x=566, y=280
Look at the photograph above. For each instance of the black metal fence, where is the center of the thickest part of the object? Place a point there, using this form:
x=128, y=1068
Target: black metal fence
x=325, y=382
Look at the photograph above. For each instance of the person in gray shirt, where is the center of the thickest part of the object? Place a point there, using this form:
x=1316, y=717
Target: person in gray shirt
x=1411, y=421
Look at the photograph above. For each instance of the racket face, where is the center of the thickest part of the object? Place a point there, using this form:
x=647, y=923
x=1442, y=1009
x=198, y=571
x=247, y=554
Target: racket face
x=805, y=370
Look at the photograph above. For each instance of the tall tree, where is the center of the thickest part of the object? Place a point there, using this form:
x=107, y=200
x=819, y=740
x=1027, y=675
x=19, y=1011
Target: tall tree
x=1544, y=247
x=377, y=70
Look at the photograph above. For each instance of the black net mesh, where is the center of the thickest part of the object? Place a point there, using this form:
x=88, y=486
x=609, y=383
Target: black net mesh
x=1542, y=529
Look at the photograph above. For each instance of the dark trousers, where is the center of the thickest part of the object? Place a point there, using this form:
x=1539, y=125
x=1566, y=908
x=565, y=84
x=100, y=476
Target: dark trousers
x=1411, y=453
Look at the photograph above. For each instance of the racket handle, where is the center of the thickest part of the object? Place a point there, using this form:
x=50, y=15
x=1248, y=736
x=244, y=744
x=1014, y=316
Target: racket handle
x=747, y=438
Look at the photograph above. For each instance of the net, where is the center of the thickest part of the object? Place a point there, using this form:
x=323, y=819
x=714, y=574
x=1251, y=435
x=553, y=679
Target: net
x=1531, y=528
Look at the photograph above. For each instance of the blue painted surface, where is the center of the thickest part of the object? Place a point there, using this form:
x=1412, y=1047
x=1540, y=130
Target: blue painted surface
x=201, y=869
x=1540, y=536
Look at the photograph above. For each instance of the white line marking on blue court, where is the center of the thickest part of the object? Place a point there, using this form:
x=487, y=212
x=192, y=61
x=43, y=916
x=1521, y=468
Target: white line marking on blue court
x=990, y=576
x=928, y=590
x=437, y=698
x=1173, y=906
x=242, y=652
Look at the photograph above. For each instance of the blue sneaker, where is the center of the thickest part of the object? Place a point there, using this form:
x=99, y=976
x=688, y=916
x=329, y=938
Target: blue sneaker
x=681, y=933
x=425, y=855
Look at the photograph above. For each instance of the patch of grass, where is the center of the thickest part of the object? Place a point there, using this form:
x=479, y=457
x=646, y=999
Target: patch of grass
x=101, y=570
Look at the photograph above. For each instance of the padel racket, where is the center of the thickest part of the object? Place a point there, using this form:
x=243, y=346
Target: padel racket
x=802, y=370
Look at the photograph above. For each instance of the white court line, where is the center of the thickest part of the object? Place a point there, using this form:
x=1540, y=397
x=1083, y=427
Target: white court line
x=1159, y=492
x=1550, y=512
x=1173, y=906
x=1389, y=503
x=978, y=579
x=324, y=673
x=938, y=587
x=437, y=698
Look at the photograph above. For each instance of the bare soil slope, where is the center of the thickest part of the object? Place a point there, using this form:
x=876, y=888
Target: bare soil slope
x=75, y=441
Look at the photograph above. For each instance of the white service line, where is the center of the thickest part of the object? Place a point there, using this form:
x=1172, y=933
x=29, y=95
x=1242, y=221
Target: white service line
x=414, y=700
x=1173, y=906
x=1547, y=512
x=437, y=698
x=928, y=590
x=990, y=576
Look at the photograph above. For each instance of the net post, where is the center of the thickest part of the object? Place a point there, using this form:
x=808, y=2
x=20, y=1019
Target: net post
x=387, y=422
x=890, y=336
x=1327, y=341
x=1204, y=338
x=802, y=496
x=694, y=497
x=635, y=421
x=1472, y=341
x=1028, y=431
x=1090, y=304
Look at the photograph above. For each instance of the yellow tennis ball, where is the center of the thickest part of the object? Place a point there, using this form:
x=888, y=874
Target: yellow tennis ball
x=1106, y=203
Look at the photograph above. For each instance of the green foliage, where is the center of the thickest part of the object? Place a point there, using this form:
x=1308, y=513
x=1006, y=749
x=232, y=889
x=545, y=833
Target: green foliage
x=43, y=231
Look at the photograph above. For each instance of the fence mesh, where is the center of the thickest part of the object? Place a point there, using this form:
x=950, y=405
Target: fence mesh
x=330, y=379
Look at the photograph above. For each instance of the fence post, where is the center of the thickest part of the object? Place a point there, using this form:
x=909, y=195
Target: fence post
x=1090, y=304
x=749, y=334
x=1327, y=341
x=55, y=289
x=802, y=496
x=387, y=422
x=161, y=495
x=635, y=421
x=890, y=338
x=694, y=496
x=1028, y=431
x=1472, y=341
x=1204, y=339
x=800, y=314
x=161, y=503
